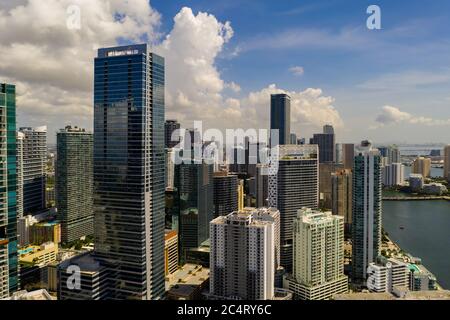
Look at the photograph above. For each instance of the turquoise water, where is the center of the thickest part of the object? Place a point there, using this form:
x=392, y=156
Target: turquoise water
x=426, y=233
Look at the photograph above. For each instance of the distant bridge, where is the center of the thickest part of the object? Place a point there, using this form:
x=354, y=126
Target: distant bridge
x=416, y=198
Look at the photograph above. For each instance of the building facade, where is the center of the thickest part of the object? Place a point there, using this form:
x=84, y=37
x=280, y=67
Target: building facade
x=326, y=142
x=318, y=266
x=129, y=170
x=294, y=185
x=422, y=165
x=367, y=210
x=385, y=274
x=170, y=127
x=9, y=266
x=34, y=168
x=242, y=262
x=447, y=162
x=342, y=196
x=280, y=117
x=74, y=183
x=225, y=193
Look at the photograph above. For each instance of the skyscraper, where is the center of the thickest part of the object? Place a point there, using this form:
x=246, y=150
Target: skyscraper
x=391, y=153
x=225, y=193
x=9, y=266
x=74, y=183
x=280, y=117
x=295, y=185
x=169, y=127
x=20, y=138
x=195, y=198
x=318, y=268
x=242, y=261
x=129, y=170
x=342, y=196
x=34, y=168
x=348, y=155
x=326, y=142
x=447, y=163
x=262, y=186
x=367, y=210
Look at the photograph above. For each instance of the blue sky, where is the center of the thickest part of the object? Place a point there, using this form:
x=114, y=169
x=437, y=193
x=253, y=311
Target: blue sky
x=405, y=65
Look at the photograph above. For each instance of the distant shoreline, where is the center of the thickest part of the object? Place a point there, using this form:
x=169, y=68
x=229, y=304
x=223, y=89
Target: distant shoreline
x=420, y=198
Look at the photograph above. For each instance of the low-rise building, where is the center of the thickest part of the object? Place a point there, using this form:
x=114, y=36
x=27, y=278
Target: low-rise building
x=32, y=295
x=386, y=274
x=188, y=283
x=38, y=255
x=416, y=182
x=437, y=189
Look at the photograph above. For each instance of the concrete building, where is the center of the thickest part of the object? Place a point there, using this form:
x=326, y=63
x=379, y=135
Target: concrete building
x=34, y=169
x=325, y=183
x=9, y=268
x=170, y=252
x=416, y=182
x=393, y=174
x=36, y=295
x=421, y=278
x=437, y=189
x=342, y=196
x=262, y=186
x=42, y=232
x=385, y=274
x=225, y=193
x=188, y=283
x=422, y=166
x=74, y=183
x=293, y=184
x=38, y=255
x=318, y=268
x=367, y=210
x=391, y=153
x=242, y=261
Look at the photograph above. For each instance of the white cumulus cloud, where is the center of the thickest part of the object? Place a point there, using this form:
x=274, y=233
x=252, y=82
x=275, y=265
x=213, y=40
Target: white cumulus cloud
x=392, y=115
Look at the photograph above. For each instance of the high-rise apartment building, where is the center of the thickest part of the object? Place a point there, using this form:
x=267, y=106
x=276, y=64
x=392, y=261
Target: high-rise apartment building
x=393, y=174
x=318, y=264
x=294, y=185
x=34, y=168
x=280, y=117
x=326, y=142
x=195, y=199
x=225, y=193
x=74, y=183
x=385, y=274
x=9, y=266
x=20, y=138
x=242, y=261
x=262, y=186
x=129, y=170
x=367, y=210
x=447, y=163
x=170, y=127
x=422, y=166
x=342, y=196
x=170, y=252
x=391, y=153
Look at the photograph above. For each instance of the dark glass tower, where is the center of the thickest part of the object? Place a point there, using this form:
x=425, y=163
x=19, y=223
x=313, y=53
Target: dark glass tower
x=280, y=116
x=326, y=142
x=9, y=280
x=129, y=170
x=195, y=200
x=225, y=193
x=74, y=185
x=170, y=126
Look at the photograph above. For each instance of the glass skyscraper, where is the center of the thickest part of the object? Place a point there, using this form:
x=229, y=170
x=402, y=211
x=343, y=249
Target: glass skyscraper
x=280, y=117
x=74, y=183
x=9, y=279
x=129, y=170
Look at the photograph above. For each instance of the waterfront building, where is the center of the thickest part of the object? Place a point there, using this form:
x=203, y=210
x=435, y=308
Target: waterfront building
x=422, y=166
x=421, y=278
x=242, y=263
x=416, y=182
x=280, y=117
x=74, y=183
x=34, y=169
x=225, y=193
x=342, y=196
x=447, y=162
x=9, y=267
x=294, y=185
x=437, y=189
x=318, y=268
x=129, y=170
x=326, y=142
x=385, y=274
x=391, y=153
x=367, y=210
x=293, y=139
x=393, y=174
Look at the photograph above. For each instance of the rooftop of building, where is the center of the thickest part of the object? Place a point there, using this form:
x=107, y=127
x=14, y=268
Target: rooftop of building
x=247, y=216
x=187, y=278
x=402, y=294
x=33, y=295
x=86, y=262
